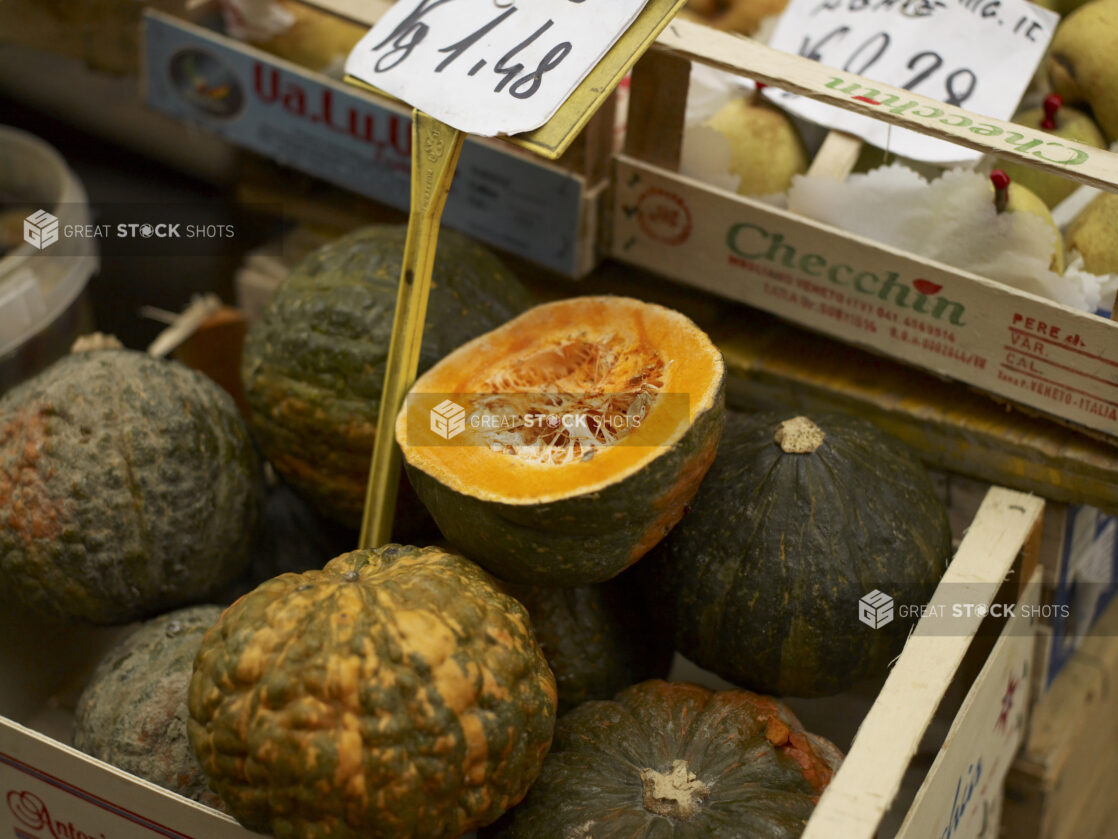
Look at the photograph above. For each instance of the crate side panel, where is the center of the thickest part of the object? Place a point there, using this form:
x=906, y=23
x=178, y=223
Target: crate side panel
x=1009, y=343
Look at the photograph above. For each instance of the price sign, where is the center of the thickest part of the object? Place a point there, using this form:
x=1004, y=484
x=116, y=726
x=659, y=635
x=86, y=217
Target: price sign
x=489, y=67
x=976, y=54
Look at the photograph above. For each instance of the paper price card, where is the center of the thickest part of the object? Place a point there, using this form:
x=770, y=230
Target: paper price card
x=489, y=67
x=976, y=54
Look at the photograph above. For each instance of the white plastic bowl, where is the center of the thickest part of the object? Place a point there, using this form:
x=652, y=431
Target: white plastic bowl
x=42, y=308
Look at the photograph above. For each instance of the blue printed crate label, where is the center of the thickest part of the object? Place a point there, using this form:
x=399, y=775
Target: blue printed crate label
x=1088, y=581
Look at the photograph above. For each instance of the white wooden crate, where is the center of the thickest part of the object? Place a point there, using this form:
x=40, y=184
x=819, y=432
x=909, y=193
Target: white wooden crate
x=1048, y=357
x=41, y=674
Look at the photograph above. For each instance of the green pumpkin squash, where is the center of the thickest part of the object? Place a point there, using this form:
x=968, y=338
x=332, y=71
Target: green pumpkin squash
x=394, y=693
x=668, y=760
x=597, y=638
x=132, y=712
x=129, y=486
x=797, y=521
x=584, y=427
x=313, y=363
x=294, y=537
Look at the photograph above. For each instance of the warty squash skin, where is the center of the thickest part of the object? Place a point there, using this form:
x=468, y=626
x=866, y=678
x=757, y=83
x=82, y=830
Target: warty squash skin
x=313, y=364
x=132, y=713
x=395, y=693
x=129, y=485
x=669, y=760
x=794, y=524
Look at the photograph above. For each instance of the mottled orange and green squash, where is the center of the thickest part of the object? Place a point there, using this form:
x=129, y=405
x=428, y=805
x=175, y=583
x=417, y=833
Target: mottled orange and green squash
x=526, y=488
x=129, y=486
x=669, y=760
x=798, y=519
x=394, y=693
x=132, y=712
x=314, y=361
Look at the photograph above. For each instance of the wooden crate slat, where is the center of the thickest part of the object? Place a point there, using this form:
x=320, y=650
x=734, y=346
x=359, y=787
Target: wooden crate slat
x=864, y=787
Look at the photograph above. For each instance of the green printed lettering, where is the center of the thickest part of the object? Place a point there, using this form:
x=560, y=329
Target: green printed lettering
x=835, y=82
x=985, y=129
x=891, y=283
x=780, y=252
x=732, y=239
x=867, y=275
x=1077, y=155
x=962, y=122
x=832, y=274
x=1015, y=138
x=936, y=113
x=810, y=263
x=957, y=309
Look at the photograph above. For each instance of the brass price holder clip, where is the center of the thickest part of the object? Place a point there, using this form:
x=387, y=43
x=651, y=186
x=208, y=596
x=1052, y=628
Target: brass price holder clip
x=434, y=156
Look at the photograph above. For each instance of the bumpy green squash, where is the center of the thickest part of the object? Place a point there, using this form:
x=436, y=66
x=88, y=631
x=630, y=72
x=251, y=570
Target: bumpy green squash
x=128, y=486
x=597, y=638
x=668, y=760
x=294, y=537
x=798, y=520
x=572, y=437
x=313, y=363
x=394, y=693
x=132, y=712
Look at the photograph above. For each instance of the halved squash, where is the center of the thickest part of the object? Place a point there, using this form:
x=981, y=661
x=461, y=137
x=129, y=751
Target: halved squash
x=562, y=446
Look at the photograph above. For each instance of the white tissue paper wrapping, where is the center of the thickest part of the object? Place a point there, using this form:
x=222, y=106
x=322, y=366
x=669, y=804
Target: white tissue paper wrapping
x=952, y=220
x=705, y=154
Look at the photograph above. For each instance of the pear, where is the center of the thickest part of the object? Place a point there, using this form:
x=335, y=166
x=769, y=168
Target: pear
x=1094, y=233
x=316, y=39
x=1063, y=121
x=1082, y=62
x=766, y=149
x=741, y=16
x=1014, y=198
x=1061, y=7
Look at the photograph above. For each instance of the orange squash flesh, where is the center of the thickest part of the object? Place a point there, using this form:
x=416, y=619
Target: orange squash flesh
x=606, y=492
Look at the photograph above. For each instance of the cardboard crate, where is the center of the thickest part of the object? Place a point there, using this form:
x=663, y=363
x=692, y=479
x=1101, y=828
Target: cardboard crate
x=1062, y=784
x=51, y=787
x=1017, y=346
x=1079, y=555
x=546, y=213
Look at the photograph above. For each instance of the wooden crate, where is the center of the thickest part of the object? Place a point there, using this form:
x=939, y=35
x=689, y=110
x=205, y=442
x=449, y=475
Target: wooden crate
x=933, y=678
x=547, y=213
x=1019, y=347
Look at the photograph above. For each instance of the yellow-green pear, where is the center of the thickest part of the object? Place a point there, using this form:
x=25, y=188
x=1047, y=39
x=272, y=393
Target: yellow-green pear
x=1013, y=198
x=1061, y=7
x=1063, y=121
x=1094, y=233
x=1082, y=62
x=766, y=150
x=741, y=16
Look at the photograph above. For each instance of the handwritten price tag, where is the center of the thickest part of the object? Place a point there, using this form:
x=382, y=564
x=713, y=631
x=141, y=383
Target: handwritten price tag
x=489, y=67
x=977, y=54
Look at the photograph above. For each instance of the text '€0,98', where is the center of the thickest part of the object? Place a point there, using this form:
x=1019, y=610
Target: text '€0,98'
x=489, y=67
